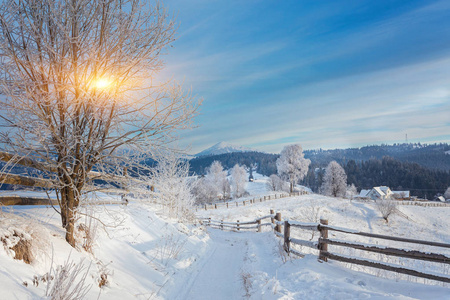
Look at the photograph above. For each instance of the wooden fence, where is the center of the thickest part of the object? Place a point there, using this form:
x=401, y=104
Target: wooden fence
x=322, y=244
x=254, y=200
x=424, y=203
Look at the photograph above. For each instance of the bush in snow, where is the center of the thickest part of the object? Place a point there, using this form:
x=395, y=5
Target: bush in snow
x=334, y=181
x=22, y=237
x=68, y=281
x=386, y=207
x=274, y=183
x=172, y=186
x=447, y=193
x=238, y=180
x=292, y=164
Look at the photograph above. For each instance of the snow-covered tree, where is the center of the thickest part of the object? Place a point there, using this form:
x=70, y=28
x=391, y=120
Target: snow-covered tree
x=238, y=180
x=351, y=191
x=386, y=207
x=292, y=164
x=78, y=94
x=334, y=181
x=170, y=179
x=203, y=191
x=215, y=184
x=447, y=193
x=274, y=183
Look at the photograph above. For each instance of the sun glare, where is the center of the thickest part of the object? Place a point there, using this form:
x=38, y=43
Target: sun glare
x=102, y=83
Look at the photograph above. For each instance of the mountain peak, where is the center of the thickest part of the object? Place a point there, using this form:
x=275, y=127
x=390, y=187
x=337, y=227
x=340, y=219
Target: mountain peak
x=222, y=148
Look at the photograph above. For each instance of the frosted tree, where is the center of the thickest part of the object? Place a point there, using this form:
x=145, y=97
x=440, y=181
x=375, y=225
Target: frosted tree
x=351, y=191
x=292, y=164
x=386, y=207
x=274, y=183
x=238, y=180
x=78, y=92
x=334, y=181
x=447, y=193
x=217, y=181
x=203, y=191
x=170, y=179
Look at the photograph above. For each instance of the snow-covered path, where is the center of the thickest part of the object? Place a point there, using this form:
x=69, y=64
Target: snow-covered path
x=219, y=276
x=249, y=265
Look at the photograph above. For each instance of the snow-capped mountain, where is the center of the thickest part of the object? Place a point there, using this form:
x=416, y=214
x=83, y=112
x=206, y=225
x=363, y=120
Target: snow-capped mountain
x=223, y=147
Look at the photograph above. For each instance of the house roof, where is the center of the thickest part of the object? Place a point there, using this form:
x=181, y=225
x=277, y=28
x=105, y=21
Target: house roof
x=384, y=189
x=364, y=193
x=379, y=191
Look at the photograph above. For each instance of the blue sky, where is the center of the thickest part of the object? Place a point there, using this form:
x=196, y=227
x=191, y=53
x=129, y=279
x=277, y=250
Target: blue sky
x=325, y=74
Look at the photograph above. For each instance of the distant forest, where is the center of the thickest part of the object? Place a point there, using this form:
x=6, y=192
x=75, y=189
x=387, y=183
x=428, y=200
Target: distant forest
x=397, y=175
x=429, y=156
x=266, y=163
x=422, y=169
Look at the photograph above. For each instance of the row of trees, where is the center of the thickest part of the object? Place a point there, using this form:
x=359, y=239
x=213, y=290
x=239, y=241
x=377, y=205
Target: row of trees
x=216, y=184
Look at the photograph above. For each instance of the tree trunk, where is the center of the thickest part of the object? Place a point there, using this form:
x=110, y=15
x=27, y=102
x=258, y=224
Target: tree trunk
x=69, y=202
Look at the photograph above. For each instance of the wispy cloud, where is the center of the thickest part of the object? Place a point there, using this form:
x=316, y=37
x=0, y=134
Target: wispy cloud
x=338, y=74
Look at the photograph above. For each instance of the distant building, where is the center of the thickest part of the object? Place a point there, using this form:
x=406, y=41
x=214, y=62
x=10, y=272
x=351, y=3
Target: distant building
x=363, y=194
x=383, y=192
x=379, y=192
x=440, y=198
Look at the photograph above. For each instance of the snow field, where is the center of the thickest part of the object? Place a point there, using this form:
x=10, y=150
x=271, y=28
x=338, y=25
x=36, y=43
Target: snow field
x=143, y=255
x=426, y=223
x=148, y=256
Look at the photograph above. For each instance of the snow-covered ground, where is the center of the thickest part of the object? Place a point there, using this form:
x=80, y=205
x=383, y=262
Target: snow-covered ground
x=147, y=256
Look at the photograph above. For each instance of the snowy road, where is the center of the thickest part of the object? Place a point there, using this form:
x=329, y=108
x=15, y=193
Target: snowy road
x=220, y=275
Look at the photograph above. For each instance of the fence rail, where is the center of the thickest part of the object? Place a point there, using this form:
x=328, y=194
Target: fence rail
x=254, y=200
x=322, y=244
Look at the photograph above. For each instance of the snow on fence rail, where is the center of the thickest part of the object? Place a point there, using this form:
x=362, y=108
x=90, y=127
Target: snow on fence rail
x=249, y=201
x=322, y=244
x=424, y=203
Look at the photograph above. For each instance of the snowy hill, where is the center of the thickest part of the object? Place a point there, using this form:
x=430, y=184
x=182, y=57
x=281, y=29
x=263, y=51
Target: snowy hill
x=223, y=147
x=145, y=255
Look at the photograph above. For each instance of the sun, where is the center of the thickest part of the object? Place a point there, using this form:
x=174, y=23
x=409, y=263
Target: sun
x=102, y=83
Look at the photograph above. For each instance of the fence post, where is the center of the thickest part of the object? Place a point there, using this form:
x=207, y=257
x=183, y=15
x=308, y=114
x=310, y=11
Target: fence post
x=244, y=202
x=260, y=199
x=259, y=225
x=287, y=234
x=221, y=224
x=323, y=247
x=271, y=218
x=278, y=226
x=227, y=204
x=237, y=204
x=215, y=206
x=209, y=221
x=238, y=225
x=206, y=207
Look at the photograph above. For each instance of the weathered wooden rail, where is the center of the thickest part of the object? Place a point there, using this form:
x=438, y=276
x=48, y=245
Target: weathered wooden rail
x=20, y=200
x=231, y=204
x=324, y=241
